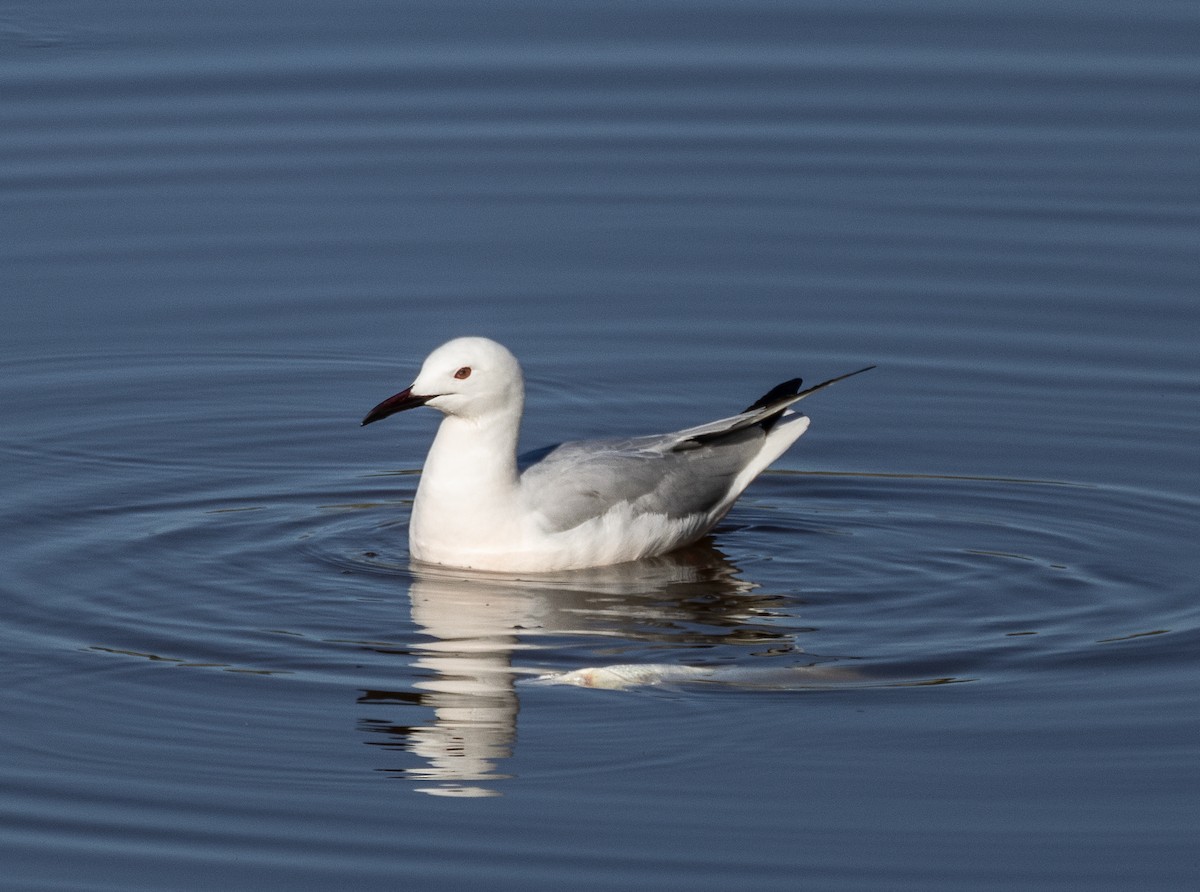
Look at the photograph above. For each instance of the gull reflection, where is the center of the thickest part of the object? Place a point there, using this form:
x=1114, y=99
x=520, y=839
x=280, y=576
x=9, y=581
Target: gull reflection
x=474, y=623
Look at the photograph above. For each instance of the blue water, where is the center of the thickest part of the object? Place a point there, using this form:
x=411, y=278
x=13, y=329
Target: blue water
x=949, y=642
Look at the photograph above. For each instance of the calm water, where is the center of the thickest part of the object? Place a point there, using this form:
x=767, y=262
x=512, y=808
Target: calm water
x=949, y=642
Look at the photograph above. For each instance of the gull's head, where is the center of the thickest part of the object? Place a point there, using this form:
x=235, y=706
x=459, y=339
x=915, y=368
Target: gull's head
x=467, y=377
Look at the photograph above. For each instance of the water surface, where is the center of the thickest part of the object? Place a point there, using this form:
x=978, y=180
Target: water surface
x=948, y=642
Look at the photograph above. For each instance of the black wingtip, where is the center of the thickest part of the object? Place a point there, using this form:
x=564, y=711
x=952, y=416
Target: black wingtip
x=792, y=388
x=817, y=387
x=775, y=394
x=787, y=393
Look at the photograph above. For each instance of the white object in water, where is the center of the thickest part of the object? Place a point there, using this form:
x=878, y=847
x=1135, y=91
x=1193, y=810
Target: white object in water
x=580, y=504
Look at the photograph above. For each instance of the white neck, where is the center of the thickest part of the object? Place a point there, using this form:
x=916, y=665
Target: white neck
x=468, y=487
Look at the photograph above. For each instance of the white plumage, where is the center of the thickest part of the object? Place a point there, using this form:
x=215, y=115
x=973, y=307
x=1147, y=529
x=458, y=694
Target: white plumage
x=580, y=504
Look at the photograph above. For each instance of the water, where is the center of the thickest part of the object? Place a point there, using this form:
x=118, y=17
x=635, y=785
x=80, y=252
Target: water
x=949, y=642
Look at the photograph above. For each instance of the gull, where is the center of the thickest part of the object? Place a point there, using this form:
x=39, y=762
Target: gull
x=585, y=503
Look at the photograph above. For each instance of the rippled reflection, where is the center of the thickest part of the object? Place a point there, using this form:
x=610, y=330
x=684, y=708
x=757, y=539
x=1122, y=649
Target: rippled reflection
x=475, y=625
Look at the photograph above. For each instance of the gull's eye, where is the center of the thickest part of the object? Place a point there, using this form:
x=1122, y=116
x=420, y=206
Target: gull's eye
x=464, y=372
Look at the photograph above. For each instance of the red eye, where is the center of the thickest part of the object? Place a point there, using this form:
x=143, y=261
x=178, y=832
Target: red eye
x=464, y=372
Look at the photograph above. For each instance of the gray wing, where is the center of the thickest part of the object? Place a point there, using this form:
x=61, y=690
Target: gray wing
x=677, y=474
x=580, y=480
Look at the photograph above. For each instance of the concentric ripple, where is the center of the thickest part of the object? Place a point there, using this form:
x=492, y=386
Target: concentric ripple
x=260, y=550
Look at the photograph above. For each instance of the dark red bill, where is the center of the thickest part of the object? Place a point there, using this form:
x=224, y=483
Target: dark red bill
x=405, y=399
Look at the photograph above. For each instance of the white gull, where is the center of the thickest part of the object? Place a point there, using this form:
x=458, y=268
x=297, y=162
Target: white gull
x=580, y=504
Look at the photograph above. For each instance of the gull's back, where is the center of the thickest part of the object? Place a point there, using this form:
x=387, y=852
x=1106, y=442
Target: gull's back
x=696, y=473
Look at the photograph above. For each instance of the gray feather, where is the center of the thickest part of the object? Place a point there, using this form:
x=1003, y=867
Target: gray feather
x=678, y=475
x=581, y=480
